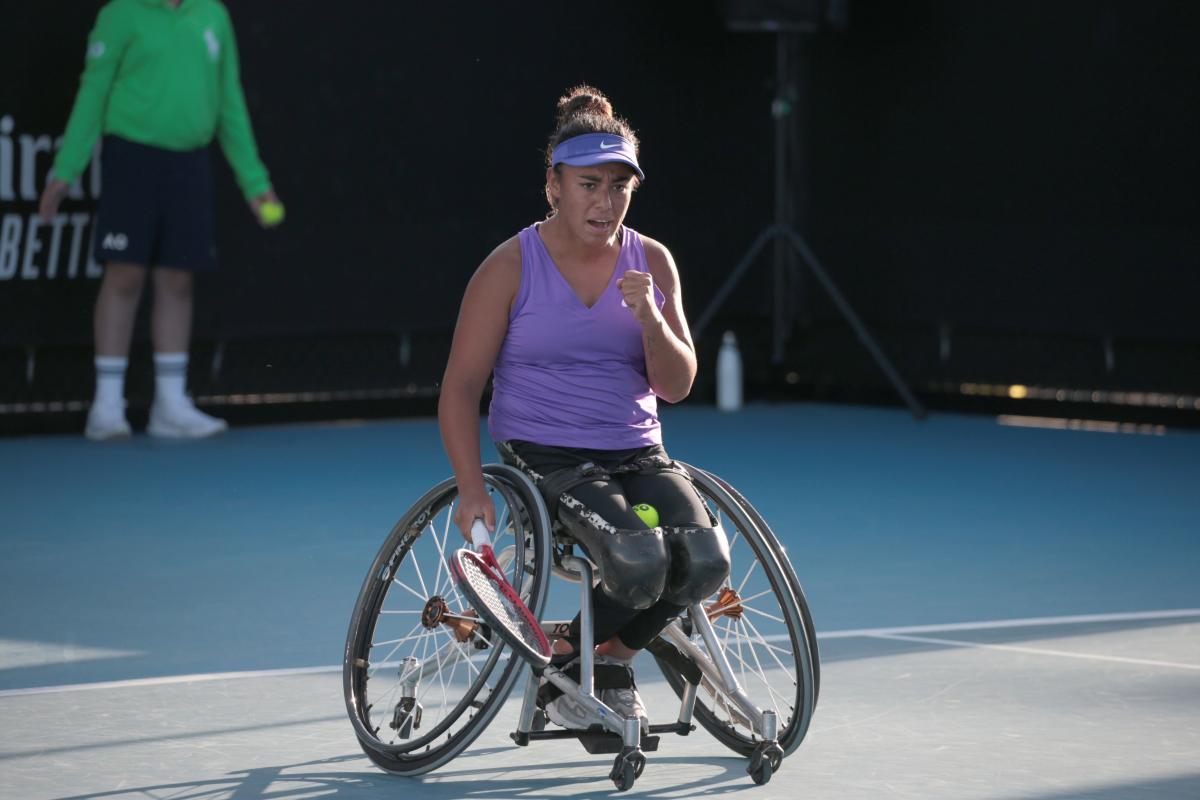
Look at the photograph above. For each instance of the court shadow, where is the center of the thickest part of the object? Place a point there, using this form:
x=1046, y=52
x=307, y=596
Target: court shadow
x=264, y=782
x=322, y=778
x=732, y=777
x=173, y=737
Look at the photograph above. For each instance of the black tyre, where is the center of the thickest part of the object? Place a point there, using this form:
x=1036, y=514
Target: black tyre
x=760, y=624
x=789, y=572
x=421, y=677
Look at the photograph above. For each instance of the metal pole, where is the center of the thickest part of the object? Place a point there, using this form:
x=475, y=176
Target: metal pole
x=860, y=329
x=781, y=109
x=768, y=233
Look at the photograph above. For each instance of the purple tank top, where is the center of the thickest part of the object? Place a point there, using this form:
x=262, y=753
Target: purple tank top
x=568, y=375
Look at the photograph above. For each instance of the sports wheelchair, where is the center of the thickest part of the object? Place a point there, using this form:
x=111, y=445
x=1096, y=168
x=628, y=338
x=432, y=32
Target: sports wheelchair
x=423, y=675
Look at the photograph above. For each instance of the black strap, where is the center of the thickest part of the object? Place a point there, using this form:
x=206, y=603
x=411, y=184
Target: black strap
x=652, y=465
x=562, y=481
x=665, y=652
x=604, y=676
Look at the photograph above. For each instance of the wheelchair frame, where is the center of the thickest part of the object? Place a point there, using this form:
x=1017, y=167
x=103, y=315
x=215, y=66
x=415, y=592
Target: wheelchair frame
x=690, y=651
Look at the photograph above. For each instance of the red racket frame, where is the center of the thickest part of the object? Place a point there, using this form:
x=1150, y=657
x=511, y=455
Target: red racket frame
x=538, y=652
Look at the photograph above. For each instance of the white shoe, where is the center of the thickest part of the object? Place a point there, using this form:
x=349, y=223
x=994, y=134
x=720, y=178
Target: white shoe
x=570, y=712
x=106, y=421
x=627, y=702
x=567, y=710
x=182, y=420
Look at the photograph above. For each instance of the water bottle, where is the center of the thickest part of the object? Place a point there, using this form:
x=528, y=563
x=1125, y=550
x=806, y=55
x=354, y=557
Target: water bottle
x=729, y=374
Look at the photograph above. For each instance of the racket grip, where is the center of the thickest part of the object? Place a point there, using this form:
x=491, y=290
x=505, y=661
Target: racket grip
x=479, y=535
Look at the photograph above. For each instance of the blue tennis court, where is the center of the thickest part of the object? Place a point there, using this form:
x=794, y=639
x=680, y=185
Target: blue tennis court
x=1004, y=611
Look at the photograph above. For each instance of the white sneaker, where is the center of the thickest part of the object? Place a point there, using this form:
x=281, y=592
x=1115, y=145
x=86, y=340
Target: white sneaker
x=106, y=421
x=182, y=420
x=627, y=702
x=570, y=712
x=567, y=710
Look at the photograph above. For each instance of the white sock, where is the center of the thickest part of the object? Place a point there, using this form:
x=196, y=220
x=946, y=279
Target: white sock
x=170, y=377
x=110, y=380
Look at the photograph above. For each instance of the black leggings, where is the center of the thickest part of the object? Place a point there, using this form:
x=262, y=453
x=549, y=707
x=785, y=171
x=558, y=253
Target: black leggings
x=671, y=494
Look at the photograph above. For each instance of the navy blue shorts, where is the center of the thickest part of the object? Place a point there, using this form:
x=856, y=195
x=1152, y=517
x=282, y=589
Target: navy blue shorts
x=156, y=206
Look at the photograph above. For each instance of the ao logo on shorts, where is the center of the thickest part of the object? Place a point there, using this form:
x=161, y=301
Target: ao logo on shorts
x=115, y=241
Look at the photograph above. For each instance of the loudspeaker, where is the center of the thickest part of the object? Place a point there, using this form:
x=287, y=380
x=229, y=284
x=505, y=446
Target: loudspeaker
x=789, y=16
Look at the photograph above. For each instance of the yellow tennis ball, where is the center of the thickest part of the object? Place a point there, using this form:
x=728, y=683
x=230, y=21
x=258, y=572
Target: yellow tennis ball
x=271, y=213
x=648, y=514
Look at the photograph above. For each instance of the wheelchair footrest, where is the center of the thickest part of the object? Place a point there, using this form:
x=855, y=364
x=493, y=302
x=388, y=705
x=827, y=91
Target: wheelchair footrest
x=595, y=740
x=605, y=742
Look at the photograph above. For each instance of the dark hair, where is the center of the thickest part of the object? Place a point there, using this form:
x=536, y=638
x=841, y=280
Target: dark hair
x=585, y=109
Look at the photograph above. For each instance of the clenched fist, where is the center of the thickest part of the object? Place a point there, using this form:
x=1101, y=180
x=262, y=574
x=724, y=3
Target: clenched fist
x=638, y=290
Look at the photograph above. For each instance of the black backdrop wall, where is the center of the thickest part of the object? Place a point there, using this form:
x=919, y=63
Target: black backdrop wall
x=1000, y=173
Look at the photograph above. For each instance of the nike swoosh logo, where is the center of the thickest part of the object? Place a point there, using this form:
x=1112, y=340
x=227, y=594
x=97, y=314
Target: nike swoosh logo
x=607, y=146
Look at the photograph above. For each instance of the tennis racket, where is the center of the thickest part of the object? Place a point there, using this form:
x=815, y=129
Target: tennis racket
x=494, y=599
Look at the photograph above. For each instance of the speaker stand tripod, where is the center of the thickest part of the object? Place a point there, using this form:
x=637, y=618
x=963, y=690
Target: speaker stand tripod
x=789, y=243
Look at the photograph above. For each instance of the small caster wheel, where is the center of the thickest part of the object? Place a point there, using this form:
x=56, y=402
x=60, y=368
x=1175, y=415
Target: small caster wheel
x=765, y=762
x=627, y=766
x=623, y=777
x=762, y=774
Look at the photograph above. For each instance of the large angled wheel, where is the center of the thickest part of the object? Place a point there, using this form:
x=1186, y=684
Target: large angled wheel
x=789, y=572
x=760, y=622
x=422, y=677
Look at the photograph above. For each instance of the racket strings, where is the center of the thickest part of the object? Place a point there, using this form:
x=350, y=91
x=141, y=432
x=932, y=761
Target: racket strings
x=507, y=612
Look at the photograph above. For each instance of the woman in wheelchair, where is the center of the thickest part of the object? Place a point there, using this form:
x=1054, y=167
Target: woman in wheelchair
x=579, y=321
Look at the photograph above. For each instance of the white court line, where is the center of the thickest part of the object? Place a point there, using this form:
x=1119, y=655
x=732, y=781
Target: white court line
x=1078, y=619
x=1034, y=650
x=169, y=679
x=1028, y=622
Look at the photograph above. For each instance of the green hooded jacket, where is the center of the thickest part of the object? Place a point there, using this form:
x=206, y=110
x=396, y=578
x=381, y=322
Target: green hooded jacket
x=166, y=77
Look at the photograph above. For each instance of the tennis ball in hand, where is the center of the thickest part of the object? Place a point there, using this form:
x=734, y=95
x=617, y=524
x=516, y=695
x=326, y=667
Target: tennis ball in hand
x=648, y=513
x=271, y=213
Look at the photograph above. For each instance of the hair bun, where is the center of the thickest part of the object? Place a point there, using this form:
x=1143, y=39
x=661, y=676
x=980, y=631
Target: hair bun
x=583, y=99
x=585, y=110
